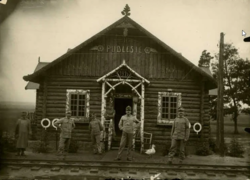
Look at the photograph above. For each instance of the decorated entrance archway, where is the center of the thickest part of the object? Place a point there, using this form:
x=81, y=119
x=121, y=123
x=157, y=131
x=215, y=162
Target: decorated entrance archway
x=122, y=75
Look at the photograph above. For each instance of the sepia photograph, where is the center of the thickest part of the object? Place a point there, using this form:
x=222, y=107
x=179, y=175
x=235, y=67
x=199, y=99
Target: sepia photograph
x=124, y=89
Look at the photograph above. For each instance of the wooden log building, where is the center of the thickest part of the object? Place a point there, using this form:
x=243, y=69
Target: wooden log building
x=131, y=66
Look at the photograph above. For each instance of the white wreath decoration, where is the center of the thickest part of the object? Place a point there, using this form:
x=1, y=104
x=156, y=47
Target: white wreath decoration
x=53, y=123
x=197, y=131
x=45, y=119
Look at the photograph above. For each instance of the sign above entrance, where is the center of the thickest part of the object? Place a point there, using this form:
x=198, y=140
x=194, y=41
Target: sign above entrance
x=123, y=49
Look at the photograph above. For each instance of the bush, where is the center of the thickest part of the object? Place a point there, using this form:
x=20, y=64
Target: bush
x=212, y=145
x=235, y=149
x=203, y=149
x=73, y=147
x=8, y=142
x=41, y=146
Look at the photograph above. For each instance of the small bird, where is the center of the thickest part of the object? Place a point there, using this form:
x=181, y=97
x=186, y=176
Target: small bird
x=151, y=151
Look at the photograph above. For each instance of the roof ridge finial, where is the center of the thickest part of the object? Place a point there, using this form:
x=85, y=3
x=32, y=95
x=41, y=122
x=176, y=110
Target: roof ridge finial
x=39, y=59
x=126, y=10
x=123, y=62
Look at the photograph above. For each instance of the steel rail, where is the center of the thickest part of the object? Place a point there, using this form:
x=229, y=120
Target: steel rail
x=103, y=165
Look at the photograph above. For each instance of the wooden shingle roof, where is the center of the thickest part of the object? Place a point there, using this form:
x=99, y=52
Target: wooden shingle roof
x=32, y=85
x=35, y=76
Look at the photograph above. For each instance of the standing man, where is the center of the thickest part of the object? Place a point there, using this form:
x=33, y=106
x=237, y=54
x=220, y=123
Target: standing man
x=179, y=135
x=66, y=124
x=110, y=114
x=22, y=132
x=126, y=124
x=95, y=128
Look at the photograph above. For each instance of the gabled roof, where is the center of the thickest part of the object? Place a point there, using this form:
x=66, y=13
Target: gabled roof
x=207, y=70
x=32, y=85
x=33, y=77
x=213, y=92
x=119, y=67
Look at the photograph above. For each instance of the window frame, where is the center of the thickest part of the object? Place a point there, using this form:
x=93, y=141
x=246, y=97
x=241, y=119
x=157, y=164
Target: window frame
x=78, y=92
x=160, y=119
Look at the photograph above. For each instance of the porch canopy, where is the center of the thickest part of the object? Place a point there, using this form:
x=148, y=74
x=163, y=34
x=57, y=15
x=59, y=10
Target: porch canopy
x=124, y=74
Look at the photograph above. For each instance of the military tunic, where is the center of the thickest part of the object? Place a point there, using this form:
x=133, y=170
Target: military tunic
x=179, y=135
x=126, y=124
x=67, y=125
x=95, y=128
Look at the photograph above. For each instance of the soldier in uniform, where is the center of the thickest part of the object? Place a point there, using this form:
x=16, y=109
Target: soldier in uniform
x=110, y=114
x=126, y=124
x=22, y=132
x=95, y=128
x=179, y=135
x=66, y=124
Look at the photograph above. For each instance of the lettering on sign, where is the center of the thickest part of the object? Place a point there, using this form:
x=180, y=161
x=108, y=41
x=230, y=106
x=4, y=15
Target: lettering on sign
x=123, y=49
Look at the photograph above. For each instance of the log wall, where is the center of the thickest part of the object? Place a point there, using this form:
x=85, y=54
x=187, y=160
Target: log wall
x=54, y=105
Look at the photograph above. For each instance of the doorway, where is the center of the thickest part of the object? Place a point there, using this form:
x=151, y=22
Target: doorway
x=120, y=110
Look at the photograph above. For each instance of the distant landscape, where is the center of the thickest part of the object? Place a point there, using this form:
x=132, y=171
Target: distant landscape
x=11, y=111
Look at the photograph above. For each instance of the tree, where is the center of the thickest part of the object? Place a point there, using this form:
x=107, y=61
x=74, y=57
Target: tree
x=205, y=59
x=235, y=79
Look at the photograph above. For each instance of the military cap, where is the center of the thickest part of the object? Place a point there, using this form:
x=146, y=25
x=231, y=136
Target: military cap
x=181, y=109
x=128, y=108
x=68, y=112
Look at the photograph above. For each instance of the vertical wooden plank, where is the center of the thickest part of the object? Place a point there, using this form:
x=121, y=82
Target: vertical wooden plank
x=150, y=66
x=159, y=65
x=71, y=65
x=75, y=60
x=80, y=61
x=167, y=59
x=92, y=64
x=88, y=62
x=202, y=84
x=163, y=68
x=44, y=97
x=68, y=66
x=145, y=60
x=82, y=66
x=156, y=64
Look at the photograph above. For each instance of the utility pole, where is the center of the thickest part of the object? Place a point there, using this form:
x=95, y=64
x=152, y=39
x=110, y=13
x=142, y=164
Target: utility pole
x=220, y=105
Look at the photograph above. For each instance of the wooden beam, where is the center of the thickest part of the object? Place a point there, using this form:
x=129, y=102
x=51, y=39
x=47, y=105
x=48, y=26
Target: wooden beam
x=142, y=117
x=103, y=106
x=120, y=80
x=220, y=113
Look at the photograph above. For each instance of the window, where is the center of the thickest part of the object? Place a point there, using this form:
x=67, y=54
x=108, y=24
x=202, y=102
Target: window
x=78, y=103
x=168, y=104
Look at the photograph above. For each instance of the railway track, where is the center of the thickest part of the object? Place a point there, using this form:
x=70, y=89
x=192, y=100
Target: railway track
x=118, y=167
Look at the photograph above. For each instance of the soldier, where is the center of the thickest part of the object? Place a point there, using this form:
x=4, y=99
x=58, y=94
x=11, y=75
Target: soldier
x=67, y=124
x=126, y=124
x=22, y=132
x=95, y=128
x=179, y=135
x=110, y=114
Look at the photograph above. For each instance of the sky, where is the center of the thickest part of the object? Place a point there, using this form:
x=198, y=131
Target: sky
x=48, y=29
